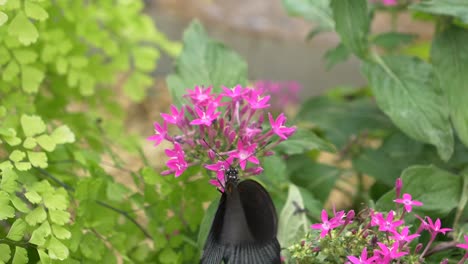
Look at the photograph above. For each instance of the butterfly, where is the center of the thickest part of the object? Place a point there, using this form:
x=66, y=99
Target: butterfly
x=245, y=225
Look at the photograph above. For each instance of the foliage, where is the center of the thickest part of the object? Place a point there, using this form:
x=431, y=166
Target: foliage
x=58, y=121
x=416, y=127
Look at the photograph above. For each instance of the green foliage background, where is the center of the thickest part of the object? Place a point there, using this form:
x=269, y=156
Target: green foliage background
x=61, y=61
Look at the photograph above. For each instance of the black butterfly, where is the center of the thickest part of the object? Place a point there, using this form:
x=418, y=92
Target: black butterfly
x=244, y=227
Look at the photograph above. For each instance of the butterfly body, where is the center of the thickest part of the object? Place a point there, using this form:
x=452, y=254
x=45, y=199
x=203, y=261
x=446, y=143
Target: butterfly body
x=244, y=227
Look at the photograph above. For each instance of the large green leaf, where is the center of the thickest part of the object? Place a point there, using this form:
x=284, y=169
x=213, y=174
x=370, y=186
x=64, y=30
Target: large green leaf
x=341, y=120
x=304, y=140
x=407, y=91
x=439, y=190
x=455, y=8
x=205, y=225
x=450, y=59
x=318, y=179
x=293, y=224
x=317, y=11
x=205, y=62
x=352, y=24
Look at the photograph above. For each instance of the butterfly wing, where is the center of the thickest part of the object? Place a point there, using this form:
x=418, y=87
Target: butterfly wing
x=213, y=251
x=259, y=210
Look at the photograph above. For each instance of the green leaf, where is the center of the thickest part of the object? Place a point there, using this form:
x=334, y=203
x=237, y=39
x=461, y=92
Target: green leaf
x=45, y=259
x=336, y=55
x=450, y=59
x=36, y=216
x=33, y=197
x=23, y=29
x=46, y=142
x=87, y=83
x=38, y=159
x=304, y=140
x=149, y=175
x=5, y=253
x=439, y=190
x=35, y=11
x=352, y=24
x=29, y=143
x=145, y=58
x=17, y=229
x=343, y=120
x=25, y=56
x=38, y=236
x=8, y=183
x=55, y=201
x=455, y=8
x=206, y=224
x=275, y=170
x=421, y=113
x=317, y=178
x=392, y=40
x=60, y=232
x=136, y=85
x=21, y=256
x=17, y=155
x=292, y=225
x=19, y=204
x=116, y=191
x=31, y=78
x=57, y=250
x=23, y=166
x=6, y=211
x=316, y=11
x=168, y=255
x=62, y=135
x=59, y=217
x=203, y=62
x=3, y=18
x=32, y=125
x=11, y=71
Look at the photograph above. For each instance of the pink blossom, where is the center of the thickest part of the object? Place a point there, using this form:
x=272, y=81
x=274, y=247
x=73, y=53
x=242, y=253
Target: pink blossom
x=236, y=93
x=464, y=246
x=245, y=153
x=257, y=101
x=200, y=96
x=160, y=133
x=434, y=227
x=326, y=224
x=389, y=253
x=205, y=117
x=176, y=116
x=279, y=127
x=387, y=224
x=407, y=202
x=403, y=236
x=389, y=2
x=363, y=258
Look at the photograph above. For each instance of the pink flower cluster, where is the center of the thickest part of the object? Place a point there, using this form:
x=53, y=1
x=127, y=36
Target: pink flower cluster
x=387, y=235
x=386, y=2
x=285, y=93
x=220, y=130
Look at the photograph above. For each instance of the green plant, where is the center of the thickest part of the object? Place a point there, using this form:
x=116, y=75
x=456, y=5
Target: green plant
x=60, y=62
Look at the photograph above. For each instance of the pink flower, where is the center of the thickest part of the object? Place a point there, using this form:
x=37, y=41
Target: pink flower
x=434, y=227
x=177, y=165
x=403, y=236
x=279, y=128
x=161, y=133
x=389, y=2
x=257, y=101
x=245, y=153
x=200, y=96
x=327, y=225
x=363, y=258
x=207, y=117
x=407, y=202
x=236, y=93
x=389, y=253
x=387, y=224
x=176, y=117
x=176, y=153
x=464, y=246
x=398, y=186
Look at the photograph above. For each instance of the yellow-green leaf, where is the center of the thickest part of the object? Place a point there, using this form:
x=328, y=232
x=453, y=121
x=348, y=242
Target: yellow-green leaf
x=11, y=71
x=25, y=56
x=29, y=143
x=5, y=253
x=59, y=217
x=3, y=18
x=17, y=229
x=60, y=232
x=8, y=183
x=23, y=166
x=38, y=236
x=23, y=29
x=17, y=155
x=63, y=134
x=57, y=250
x=46, y=142
x=31, y=78
x=35, y=11
x=32, y=125
x=21, y=256
x=33, y=197
x=38, y=159
x=36, y=216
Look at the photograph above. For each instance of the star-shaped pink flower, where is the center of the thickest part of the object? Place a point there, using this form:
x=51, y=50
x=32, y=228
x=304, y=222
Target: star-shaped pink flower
x=363, y=258
x=244, y=153
x=279, y=127
x=176, y=117
x=205, y=117
x=407, y=202
x=160, y=133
